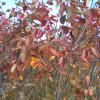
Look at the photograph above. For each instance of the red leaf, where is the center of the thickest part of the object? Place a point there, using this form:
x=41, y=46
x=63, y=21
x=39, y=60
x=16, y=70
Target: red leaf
x=0, y=13
x=58, y=1
x=50, y=2
x=40, y=33
x=43, y=23
x=61, y=62
x=47, y=27
x=84, y=3
x=65, y=29
x=34, y=33
x=85, y=55
x=21, y=16
x=50, y=68
x=20, y=67
x=62, y=9
x=57, y=40
x=55, y=53
x=95, y=51
x=24, y=7
x=5, y=21
x=89, y=20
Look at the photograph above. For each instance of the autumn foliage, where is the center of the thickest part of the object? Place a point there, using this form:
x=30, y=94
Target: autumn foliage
x=50, y=56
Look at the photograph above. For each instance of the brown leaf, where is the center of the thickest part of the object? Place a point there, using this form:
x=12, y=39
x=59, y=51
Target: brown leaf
x=23, y=55
x=28, y=42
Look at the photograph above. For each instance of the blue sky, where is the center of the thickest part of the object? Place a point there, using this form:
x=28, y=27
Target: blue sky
x=11, y=3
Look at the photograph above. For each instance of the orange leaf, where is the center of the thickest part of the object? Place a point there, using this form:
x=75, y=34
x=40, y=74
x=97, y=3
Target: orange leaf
x=34, y=61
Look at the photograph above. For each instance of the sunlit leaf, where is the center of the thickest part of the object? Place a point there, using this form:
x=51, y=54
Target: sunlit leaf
x=13, y=68
x=91, y=91
x=73, y=66
x=34, y=61
x=21, y=78
x=51, y=58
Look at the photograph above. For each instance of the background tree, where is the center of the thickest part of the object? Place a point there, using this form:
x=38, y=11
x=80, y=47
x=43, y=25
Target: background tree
x=49, y=56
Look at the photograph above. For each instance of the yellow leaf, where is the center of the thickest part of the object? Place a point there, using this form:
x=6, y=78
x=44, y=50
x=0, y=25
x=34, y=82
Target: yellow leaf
x=34, y=60
x=13, y=68
x=51, y=58
x=21, y=78
x=73, y=66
